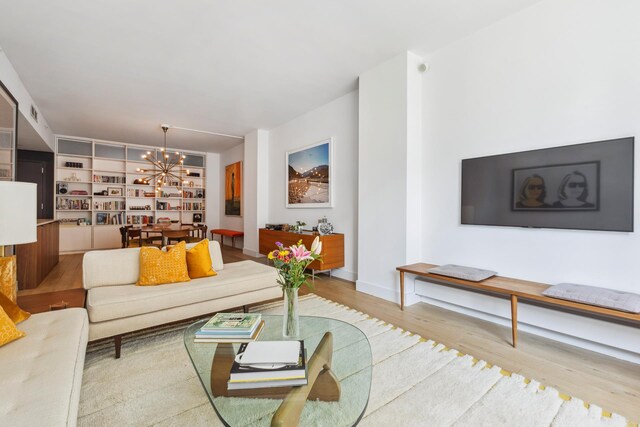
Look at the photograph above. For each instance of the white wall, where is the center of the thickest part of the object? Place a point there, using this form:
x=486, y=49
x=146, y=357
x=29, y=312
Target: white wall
x=235, y=154
x=11, y=80
x=389, y=173
x=256, y=188
x=337, y=119
x=213, y=196
x=560, y=72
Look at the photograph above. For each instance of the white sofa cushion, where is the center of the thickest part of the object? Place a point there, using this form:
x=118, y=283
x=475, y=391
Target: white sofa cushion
x=42, y=372
x=115, y=267
x=115, y=302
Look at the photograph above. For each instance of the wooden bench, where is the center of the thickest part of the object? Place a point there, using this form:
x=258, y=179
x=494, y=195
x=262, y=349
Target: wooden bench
x=229, y=233
x=514, y=288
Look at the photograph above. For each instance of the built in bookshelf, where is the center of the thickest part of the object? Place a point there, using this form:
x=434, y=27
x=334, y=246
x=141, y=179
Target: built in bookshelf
x=99, y=189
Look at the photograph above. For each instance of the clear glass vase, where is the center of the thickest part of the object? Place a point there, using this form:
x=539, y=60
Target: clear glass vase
x=290, y=321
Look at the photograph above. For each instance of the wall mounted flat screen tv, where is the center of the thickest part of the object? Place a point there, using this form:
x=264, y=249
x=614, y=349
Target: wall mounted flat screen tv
x=584, y=186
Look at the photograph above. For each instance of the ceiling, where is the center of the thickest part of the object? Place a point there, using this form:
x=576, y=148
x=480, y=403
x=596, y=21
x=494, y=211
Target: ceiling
x=117, y=69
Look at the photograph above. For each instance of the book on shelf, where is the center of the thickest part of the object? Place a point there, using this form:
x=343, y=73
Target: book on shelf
x=232, y=322
x=244, y=376
x=210, y=337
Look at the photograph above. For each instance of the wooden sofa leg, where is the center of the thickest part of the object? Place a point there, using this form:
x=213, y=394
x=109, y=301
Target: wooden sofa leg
x=117, y=340
x=245, y=308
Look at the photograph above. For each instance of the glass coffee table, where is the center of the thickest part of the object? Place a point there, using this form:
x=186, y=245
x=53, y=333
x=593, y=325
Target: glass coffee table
x=339, y=372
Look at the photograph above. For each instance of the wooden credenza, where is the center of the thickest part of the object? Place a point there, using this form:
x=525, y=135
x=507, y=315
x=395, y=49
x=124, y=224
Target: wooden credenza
x=36, y=260
x=332, y=246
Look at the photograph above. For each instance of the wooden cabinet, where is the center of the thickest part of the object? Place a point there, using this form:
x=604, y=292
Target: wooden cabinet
x=332, y=246
x=36, y=260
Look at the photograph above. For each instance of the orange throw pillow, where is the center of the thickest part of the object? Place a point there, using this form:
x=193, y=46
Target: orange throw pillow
x=159, y=268
x=15, y=313
x=8, y=330
x=199, y=261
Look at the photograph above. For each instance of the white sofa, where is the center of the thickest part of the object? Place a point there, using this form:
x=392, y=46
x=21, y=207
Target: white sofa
x=117, y=306
x=42, y=372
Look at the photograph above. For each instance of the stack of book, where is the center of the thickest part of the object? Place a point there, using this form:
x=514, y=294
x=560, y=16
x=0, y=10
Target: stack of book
x=231, y=327
x=266, y=364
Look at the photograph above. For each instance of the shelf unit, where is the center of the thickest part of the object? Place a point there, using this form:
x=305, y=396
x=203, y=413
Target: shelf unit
x=7, y=155
x=96, y=166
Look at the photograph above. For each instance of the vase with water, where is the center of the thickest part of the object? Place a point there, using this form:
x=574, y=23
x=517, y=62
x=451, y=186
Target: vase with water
x=290, y=320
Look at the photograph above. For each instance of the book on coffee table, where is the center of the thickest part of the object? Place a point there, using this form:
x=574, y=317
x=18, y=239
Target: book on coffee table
x=236, y=322
x=268, y=375
x=212, y=337
x=270, y=352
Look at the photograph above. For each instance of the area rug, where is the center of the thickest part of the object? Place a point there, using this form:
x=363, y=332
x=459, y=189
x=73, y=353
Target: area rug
x=415, y=382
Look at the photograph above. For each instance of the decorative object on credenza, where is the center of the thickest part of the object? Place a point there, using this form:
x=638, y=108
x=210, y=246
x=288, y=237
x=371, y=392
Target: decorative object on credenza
x=15, y=229
x=297, y=227
x=291, y=263
x=274, y=226
x=62, y=188
x=233, y=189
x=114, y=191
x=324, y=226
x=309, y=176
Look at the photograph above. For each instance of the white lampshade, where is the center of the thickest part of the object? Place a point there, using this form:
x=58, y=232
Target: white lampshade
x=18, y=213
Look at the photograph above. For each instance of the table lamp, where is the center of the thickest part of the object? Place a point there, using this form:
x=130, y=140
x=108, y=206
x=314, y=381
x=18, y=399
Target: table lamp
x=18, y=224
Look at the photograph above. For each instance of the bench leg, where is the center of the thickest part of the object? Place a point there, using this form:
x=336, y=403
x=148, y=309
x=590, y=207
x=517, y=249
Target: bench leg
x=245, y=308
x=402, y=290
x=514, y=320
x=117, y=340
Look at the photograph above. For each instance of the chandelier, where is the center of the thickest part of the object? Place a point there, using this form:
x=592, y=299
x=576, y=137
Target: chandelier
x=166, y=168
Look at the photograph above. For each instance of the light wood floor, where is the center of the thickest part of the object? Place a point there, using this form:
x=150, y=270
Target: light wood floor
x=605, y=381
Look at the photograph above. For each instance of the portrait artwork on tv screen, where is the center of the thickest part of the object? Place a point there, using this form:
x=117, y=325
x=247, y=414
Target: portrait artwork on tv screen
x=584, y=186
x=561, y=188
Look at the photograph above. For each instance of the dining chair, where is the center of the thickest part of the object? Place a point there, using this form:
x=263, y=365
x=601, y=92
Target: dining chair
x=174, y=235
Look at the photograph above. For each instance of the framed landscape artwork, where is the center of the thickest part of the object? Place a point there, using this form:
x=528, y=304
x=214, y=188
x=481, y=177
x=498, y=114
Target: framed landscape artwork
x=309, y=176
x=233, y=189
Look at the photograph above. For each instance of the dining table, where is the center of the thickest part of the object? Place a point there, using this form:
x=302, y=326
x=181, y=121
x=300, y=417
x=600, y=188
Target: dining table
x=159, y=228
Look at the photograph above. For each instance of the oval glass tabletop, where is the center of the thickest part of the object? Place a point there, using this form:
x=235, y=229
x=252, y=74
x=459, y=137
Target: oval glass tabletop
x=338, y=397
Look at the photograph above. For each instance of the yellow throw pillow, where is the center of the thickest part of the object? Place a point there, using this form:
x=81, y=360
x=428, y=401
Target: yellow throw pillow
x=8, y=274
x=199, y=261
x=159, y=268
x=8, y=330
x=15, y=313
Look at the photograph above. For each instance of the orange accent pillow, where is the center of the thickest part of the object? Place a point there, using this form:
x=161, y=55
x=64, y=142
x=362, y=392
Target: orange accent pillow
x=15, y=313
x=159, y=268
x=8, y=274
x=199, y=261
x=8, y=330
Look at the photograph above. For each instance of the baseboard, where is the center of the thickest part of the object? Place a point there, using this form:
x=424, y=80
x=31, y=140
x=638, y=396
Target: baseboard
x=252, y=253
x=383, y=292
x=341, y=273
x=537, y=330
